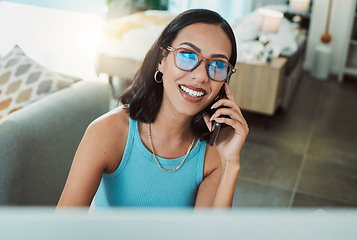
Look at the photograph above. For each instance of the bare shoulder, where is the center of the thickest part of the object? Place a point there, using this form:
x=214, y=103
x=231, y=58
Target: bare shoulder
x=115, y=120
x=212, y=160
x=100, y=151
x=109, y=132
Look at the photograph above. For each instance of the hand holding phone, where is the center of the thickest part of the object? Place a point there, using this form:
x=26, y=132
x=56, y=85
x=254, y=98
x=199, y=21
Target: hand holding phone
x=217, y=126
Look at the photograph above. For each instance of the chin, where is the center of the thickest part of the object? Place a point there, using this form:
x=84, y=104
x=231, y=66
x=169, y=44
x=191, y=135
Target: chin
x=190, y=109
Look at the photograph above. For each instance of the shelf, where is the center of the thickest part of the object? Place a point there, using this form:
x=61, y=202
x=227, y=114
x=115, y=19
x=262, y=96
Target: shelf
x=351, y=70
x=351, y=60
x=354, y=28
x=349, y=63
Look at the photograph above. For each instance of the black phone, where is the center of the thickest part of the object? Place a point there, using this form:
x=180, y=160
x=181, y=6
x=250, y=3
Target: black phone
x=217, y=126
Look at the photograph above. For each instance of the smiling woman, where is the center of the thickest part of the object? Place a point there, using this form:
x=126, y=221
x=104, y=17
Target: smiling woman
x=153, y=150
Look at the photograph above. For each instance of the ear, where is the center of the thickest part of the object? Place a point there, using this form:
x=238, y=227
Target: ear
x=161, y=64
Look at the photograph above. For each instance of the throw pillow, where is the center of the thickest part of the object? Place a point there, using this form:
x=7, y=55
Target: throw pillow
x=22, y=81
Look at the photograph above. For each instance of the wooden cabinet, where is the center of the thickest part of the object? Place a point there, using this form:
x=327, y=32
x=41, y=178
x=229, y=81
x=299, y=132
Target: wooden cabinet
x=258, y=86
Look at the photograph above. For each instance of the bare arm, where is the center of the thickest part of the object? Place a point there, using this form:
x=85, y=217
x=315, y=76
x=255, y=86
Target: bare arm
x=226, y=186
x=225, y=155
x=218, y=185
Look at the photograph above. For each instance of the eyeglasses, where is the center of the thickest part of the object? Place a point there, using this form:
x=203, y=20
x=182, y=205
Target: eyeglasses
x=188, y=60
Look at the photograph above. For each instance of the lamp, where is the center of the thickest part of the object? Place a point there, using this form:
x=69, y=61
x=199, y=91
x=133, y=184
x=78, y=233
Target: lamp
x=323, y=52
x=268, y=22
x=326, y=36
x=299, y=7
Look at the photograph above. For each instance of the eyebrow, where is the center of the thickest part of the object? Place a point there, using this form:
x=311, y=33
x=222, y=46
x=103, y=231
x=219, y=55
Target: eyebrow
x=197, y=49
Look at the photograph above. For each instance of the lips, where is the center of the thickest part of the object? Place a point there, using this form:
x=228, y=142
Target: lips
x=192, y=94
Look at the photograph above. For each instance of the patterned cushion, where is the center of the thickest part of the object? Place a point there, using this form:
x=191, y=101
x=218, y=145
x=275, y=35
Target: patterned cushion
x=22, y=81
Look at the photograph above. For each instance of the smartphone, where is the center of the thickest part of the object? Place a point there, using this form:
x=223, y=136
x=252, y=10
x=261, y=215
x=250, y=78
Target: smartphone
x=217, y=126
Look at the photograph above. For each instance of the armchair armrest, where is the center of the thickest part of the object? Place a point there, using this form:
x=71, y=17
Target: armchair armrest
x=38, y=142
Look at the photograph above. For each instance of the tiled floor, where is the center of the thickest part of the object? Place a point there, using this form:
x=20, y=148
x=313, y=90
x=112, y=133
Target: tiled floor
x=305, y=156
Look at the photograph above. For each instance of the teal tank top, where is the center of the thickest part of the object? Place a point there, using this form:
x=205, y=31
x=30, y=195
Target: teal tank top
x=139, y=181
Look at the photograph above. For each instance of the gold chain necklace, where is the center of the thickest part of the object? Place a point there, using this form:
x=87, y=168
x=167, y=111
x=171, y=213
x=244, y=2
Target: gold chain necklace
x=153, y=152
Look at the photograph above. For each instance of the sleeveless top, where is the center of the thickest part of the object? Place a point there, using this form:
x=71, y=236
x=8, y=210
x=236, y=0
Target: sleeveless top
x=140, y=182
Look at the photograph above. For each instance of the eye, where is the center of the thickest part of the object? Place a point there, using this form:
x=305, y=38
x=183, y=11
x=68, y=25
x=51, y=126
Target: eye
x=219, y=65
x=188, y=54
x=186, y=59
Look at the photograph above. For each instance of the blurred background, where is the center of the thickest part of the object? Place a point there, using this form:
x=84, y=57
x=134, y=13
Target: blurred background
x=302, y=153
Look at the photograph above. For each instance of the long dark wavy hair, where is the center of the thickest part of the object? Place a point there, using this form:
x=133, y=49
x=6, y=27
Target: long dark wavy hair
x=142, y=99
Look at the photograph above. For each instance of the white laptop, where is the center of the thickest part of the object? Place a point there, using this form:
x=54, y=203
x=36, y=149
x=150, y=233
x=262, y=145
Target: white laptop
x=182, y=224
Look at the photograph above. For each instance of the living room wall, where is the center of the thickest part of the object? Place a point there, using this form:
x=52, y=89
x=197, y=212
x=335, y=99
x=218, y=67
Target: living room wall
x=61, y=40
x=92, y=6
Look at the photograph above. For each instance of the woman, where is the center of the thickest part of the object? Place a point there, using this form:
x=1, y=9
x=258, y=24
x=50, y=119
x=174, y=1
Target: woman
x=153, y=150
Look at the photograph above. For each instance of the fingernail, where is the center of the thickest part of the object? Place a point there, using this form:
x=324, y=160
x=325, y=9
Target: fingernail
x=213, y=106
x=212, y=117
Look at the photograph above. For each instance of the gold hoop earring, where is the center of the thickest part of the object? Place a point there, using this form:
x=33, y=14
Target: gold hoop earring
x=157, y=75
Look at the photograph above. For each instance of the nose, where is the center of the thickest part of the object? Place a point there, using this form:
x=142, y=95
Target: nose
x=200, y=72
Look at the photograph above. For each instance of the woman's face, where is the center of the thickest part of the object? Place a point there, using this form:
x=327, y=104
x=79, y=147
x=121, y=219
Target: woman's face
x=188, y=92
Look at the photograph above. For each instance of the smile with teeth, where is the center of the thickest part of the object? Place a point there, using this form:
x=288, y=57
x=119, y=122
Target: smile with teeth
x=191, y=92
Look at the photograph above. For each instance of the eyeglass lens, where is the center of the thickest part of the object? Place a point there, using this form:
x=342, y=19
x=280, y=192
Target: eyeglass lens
x=187, y=60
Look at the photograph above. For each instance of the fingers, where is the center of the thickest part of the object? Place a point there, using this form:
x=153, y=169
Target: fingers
x=224, y=102
x=228, y=92
x=233, y=116
x=230, y=109
x=208, y=122
x=234, y=123
x=227, y=103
